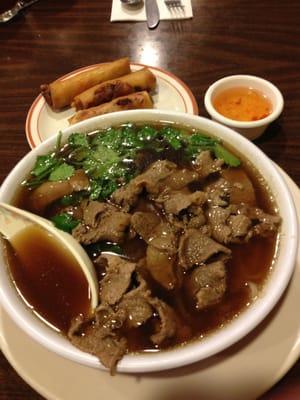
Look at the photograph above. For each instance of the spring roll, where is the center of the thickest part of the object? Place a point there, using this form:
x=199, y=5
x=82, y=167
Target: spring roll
x=131, y=102
x=60, y=93
x=137, y=81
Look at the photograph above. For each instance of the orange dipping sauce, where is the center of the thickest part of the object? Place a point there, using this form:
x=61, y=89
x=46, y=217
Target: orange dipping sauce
x=243, y=104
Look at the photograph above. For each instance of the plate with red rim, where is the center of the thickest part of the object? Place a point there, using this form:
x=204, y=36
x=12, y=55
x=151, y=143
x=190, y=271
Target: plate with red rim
x=171, y=93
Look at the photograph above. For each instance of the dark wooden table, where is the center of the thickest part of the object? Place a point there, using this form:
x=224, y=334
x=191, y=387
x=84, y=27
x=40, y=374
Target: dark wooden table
x=225, y=37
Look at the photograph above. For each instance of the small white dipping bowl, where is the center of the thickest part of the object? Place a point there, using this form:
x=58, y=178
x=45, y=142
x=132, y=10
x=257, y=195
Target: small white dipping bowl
x=198, y=349
x=252, y=129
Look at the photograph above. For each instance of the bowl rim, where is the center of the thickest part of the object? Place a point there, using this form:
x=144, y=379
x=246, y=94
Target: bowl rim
x=277, y=109
x=188, y=353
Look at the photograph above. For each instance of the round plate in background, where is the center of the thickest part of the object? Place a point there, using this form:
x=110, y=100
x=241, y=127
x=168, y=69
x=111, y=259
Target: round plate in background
x=170, y=94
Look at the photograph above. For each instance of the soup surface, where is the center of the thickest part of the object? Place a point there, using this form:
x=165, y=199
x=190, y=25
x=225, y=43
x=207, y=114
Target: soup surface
x=182, y=232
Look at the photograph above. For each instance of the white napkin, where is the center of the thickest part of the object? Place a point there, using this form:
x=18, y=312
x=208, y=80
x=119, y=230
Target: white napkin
x=120, y=12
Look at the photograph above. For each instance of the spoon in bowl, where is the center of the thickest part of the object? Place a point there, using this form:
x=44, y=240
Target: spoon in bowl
x=14, y=220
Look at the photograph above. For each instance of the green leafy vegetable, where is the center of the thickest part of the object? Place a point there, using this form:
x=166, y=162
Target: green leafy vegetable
x=65, y=222
x=101, y=189
x=111, y=138
x=78, y=155
x=224, y=154
x=72, y=199
x=78, y=140
x=146, y=134
x=173, y=137
x=105, y=155
x=94, y=168
x=44, y=165
x=108, y=156
x=101, y=247
x=198, y=142
x=61, y=172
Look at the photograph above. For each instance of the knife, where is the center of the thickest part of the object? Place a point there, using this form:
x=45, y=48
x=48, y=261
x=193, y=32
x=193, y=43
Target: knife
x=152, y=13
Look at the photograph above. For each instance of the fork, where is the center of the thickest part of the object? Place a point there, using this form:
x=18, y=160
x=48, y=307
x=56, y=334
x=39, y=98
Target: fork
x=9, y=14
x=174, y=3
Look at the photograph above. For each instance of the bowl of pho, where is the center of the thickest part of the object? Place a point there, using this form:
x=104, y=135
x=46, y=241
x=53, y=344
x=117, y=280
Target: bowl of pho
x=191, y=230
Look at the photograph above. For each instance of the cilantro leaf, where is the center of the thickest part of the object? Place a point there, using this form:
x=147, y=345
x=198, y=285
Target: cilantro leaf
x=44, y=165
x=147, y=133
x=111, y=138
x=61, y=172
x=65, y=222
x=172, y=136
x=104, y=155
x=101, y=189
x=224, y=154
x=109, y=156
x=78, y=140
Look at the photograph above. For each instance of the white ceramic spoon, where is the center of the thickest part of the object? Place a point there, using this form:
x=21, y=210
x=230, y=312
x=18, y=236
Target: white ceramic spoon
x=13, y=220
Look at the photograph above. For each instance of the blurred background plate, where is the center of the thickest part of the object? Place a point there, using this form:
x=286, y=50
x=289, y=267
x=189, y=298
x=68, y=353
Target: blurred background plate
x=244, y=371
x=171, y=94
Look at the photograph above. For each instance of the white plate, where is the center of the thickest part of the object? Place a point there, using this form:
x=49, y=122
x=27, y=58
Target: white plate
x=244, y=371
x=171, y=94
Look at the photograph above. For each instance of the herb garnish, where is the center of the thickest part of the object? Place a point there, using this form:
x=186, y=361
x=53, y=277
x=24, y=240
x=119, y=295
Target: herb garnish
x=107, y=156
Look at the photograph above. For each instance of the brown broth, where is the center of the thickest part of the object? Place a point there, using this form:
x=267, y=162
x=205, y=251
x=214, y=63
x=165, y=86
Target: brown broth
x=48, y=277
x=191, y=323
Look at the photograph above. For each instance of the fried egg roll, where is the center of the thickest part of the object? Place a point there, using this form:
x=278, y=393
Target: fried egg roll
x=131, y=102
x=60, y=93
x=137, y=81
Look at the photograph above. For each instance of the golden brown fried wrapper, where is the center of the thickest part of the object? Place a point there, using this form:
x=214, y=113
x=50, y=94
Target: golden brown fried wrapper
x=130, y=102
x=104, y=92
x=60, y=93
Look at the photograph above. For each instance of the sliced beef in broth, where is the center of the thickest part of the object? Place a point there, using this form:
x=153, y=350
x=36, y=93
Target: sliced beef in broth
x=101, y=222
x=207, y=284
x=195, y=248
x=117, y=278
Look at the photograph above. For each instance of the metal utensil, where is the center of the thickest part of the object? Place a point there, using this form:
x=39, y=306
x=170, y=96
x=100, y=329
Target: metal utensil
x=131, y=2
x=20, y=5
x=152, y=13
x=174, y=3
